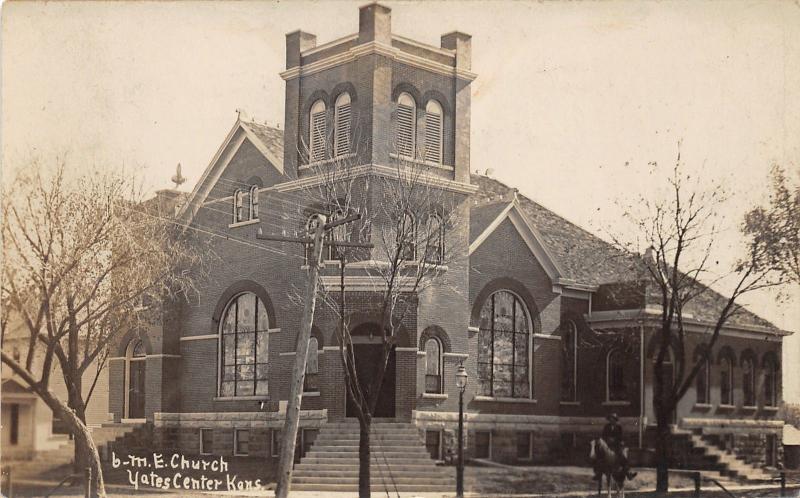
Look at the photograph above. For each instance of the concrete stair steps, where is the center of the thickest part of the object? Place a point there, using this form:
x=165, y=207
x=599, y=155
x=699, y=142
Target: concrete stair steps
x=393, y=478
x=420, y=468
x=402, y=451
x=731, y=464
x=403, y=488
x=354, y=438
x=353, y=473
x=399, y=460
x=354, y=460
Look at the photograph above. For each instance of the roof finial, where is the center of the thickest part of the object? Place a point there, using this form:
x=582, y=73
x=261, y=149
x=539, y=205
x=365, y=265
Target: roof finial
x=178, y=179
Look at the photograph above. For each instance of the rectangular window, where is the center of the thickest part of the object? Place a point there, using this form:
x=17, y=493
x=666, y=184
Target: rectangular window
x=14, y=429
x=241, y=442
x=275, y=443
x=483, y=444
x=206, y=441
x=524, y=445
x=433, y=443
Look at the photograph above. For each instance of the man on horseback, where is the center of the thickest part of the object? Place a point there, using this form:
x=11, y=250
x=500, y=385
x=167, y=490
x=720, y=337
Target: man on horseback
x=612, y=437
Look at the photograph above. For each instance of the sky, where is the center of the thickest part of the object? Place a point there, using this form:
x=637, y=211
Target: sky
x=572, y=102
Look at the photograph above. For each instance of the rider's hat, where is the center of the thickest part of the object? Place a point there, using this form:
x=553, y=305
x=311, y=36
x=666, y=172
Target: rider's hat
x=613, y=418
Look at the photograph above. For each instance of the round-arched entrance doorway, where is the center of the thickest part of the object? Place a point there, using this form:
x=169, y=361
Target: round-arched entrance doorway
x=367, y=349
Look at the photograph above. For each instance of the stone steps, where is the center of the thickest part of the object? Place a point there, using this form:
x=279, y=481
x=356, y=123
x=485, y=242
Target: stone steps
x=399, y=461
x=729, y=464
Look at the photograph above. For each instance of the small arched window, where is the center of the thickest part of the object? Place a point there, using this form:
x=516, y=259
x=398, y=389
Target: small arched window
x=244, y=337
x=434, y=253
x=702, y=383
x=254, y=202
x=616, y=389
x=318, y=132
x=310, y=228
x=433, y=366
x=329, y=251
x=504, y=347
x=311, y=382
x=342, y=125
x=238, y=206
x=406, y=125
x=433, y=132
x=748, y=382
x=725, y=381
x=407, y=236
x=569, y=361
x=770, y=382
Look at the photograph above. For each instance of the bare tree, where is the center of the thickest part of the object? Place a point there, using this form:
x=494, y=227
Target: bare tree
x=777, y=226
x=85, y=259
x=407, y=216
x=681, y=233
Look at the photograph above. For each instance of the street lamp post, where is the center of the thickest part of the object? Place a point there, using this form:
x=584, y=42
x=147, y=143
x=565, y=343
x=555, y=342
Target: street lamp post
x=461, y=383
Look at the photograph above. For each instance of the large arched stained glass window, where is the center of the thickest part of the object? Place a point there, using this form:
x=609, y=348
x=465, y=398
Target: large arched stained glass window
x=504, y=345
x=245, y=347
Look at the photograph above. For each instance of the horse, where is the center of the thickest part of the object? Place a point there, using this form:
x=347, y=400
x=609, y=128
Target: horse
x=607, y=462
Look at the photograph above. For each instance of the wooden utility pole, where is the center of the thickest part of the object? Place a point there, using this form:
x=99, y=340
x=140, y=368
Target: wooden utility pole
x=299, y=373
x=290, y=426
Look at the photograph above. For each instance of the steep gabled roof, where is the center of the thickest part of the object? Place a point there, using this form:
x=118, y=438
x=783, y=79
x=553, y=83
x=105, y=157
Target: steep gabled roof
x=582, y=257
x=585, y=258
x=268, y=140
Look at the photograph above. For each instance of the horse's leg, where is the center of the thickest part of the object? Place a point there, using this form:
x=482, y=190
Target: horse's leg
x=600, y=485
x=608, y=485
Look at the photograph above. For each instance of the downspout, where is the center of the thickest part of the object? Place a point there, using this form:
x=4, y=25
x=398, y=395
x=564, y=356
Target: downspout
x=641, y=386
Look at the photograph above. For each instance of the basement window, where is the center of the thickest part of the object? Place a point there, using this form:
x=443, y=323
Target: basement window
x=241, y=442
x=483, y=444
x=206, y=441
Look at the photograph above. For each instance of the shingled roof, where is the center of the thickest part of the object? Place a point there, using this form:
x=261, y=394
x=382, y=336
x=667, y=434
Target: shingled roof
x=582, y=256
x=271, y=138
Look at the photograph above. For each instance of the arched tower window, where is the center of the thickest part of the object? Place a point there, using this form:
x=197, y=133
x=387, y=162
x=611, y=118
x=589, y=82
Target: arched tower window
x=318, y=132
x=244, y=338
x=311, y=382
x=433, y=132
x=616, y=388
x=569, y=361
x=504, y=347
x=406, y=125
x=433, y=366
x=342, y=125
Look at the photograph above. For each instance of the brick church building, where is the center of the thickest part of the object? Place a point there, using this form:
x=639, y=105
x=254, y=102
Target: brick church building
x=528, y=307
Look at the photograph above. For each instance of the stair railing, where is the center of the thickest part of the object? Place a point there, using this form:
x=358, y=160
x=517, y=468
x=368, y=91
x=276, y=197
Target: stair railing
x=388, y=468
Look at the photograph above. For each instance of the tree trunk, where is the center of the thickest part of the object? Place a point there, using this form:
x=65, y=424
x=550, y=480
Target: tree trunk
x=364, y=457
x=663, y=440
x=83, y=442
x=78, y=407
